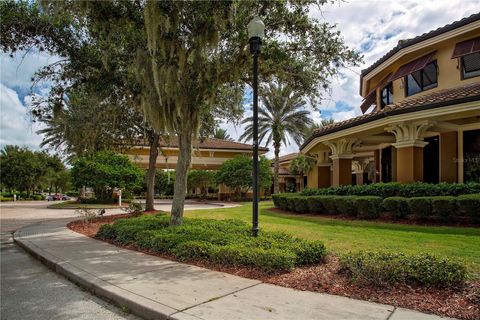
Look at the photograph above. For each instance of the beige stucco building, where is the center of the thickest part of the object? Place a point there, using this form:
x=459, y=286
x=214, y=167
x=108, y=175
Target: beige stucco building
x=207, y=154
x=421, y=115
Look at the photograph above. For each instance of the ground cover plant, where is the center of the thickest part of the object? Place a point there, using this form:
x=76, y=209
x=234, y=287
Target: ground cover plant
x=225, y=242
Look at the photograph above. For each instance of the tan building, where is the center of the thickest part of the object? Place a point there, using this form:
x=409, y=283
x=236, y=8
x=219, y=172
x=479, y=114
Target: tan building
x=421, y=118
x=208, y=154
x=286, y=180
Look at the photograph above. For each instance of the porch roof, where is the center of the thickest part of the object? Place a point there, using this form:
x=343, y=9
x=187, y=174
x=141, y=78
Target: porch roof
x=445, y=97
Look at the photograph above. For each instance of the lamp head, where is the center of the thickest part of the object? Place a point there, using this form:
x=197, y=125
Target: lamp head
x=256, y=28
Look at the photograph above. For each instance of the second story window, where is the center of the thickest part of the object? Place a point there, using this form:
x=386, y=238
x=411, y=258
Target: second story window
x=421, y=80
x=470, y=64
x=386, y=96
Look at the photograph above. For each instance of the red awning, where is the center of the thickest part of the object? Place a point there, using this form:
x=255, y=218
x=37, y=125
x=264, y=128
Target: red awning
x=372, y=95
x=412, y=66
x=466, y=47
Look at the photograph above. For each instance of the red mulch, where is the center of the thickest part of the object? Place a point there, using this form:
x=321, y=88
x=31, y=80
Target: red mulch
x=462, y=303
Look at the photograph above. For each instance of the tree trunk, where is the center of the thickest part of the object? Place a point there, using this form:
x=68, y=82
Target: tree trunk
x=152, y=160
x=181, y=171
x=276, y=184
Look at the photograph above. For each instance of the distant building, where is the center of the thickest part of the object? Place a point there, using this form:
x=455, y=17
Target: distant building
x=421, y=118
x=208, y=154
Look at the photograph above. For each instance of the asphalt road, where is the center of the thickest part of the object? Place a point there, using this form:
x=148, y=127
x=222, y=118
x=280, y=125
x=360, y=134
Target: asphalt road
x=29, y=290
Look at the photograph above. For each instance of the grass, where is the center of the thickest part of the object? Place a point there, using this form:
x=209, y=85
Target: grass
x=350, y=235
x=75, y=205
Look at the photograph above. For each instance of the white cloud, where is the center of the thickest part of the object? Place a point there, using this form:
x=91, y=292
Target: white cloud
x=15, y=127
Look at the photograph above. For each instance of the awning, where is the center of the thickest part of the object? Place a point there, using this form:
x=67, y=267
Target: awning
x=372, y=95
x=412, y=66
x=466, y=47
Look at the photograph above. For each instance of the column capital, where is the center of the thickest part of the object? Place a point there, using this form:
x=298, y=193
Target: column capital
x=342, y=148
x=409, y=134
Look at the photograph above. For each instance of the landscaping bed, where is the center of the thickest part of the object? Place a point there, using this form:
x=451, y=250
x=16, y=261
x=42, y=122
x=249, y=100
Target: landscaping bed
x=328, y=274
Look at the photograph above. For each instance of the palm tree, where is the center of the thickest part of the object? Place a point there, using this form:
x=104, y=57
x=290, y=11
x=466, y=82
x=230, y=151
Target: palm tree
x=300, y=166
x=317, y=125
x=281, y=115
x=222, y=134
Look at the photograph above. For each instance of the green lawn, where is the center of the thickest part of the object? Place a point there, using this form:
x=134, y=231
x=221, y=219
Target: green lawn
x=76, y=205
x=343, y=235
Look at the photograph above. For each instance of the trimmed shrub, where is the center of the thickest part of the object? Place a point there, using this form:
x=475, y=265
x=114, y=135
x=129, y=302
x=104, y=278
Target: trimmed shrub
x=397, y=207
x=469, y=205
x=346, y=205
x=368, y=207
x=222, y=241
x=269, y=260
x=444, y=207
x=315, y=204
x=106, y=232
x=194, y=250
x=382, y=268
x=420, y=207
x=391, y=189
x=300, y=204
x=329, y=203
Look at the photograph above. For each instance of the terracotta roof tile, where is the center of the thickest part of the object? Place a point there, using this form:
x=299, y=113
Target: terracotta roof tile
x=211, y=143
x=439, y=98
x=287, y=157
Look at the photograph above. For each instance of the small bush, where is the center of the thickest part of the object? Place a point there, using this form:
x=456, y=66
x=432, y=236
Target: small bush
x=315, y=204
x=268, y=260
x=397, y=207
x=329, y=203
x=382, y=268
x=420, y=207
x=106, y=232
x=346, y=205
x=469, y=205
x=368, y=207
x=194, y=250
x=444, y=207
x=300, y=204
x=227, y=242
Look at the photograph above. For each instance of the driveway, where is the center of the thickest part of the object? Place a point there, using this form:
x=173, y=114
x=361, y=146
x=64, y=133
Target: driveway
x=29, y=290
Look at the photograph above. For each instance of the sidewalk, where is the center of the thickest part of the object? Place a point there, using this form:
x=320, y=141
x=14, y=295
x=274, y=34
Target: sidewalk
x=156, y=288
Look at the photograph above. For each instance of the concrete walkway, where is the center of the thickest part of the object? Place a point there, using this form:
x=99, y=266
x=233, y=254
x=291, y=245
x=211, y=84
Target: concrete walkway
x=156, y=288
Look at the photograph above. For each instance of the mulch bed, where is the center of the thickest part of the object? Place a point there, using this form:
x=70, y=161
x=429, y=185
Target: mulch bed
x=462, y=303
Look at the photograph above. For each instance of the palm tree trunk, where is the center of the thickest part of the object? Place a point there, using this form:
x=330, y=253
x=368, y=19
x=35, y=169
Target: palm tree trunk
x=183, y=164
x=276, y=184
x=152, y=160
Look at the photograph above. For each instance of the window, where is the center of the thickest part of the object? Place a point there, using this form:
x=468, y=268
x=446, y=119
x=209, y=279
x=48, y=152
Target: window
x=470, y=65
x=421, y=80
x=386, y=95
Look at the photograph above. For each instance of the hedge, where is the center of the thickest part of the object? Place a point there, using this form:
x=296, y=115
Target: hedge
x=464, y=208
x=225, y=242
x=383, y=268
x=392, y=189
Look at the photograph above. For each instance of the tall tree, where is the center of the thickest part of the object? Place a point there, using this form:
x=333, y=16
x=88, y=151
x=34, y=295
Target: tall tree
x=186, y=56
x=281, y=115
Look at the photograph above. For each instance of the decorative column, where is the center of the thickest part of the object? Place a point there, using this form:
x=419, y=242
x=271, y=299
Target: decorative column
x=359, y=167
x=409, y=145
x=324, y=165
x=448, y=156
x=342, y=155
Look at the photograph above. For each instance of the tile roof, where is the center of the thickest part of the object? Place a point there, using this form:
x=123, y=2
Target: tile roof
x=406, y=43
x=444, y=97
x=284, y=172
x=287, y=157
x=211, y=143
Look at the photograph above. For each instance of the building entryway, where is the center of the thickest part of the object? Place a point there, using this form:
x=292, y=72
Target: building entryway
x=431, y=160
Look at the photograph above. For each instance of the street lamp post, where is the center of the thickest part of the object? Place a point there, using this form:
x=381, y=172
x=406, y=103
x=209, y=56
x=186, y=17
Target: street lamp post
x=256, y=32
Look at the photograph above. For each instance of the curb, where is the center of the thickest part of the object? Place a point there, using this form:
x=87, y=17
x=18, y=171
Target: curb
x=122, y=298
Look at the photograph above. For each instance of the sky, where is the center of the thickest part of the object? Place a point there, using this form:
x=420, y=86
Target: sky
x=370, y=27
